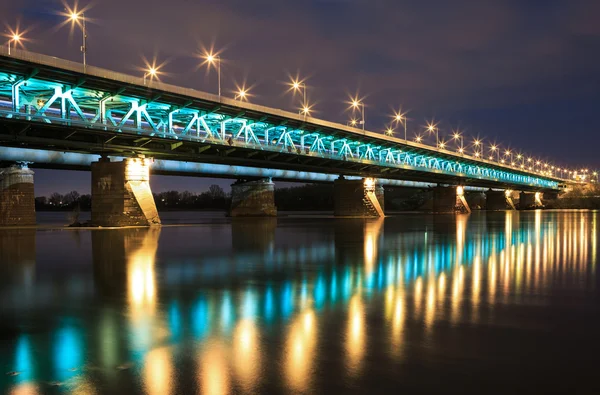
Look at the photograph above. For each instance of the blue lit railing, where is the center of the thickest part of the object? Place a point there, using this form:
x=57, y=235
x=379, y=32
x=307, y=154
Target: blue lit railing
x=57, y=102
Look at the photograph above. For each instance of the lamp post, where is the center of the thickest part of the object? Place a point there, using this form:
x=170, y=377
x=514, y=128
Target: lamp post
x=299, y=86
x=494, y=148
x=508, y=154
x=358, y=105
x=212, y=59
x=431, y=128
x=75, y=17
x=242, y=94
x=14, y=38
x=478, y=151
x=401, y=118
x=456, y=136
x=152, y=72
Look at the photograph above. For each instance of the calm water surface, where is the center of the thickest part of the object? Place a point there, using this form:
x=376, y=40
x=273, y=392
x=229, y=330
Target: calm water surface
x=491, y=302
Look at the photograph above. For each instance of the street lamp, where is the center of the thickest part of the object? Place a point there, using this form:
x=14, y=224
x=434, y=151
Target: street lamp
x=15, y=37
x=151, y=72
x=431, y=128
x=389, y=131
x=75, y=18
x=400, y=117
x=508, y=153
x=214, y=59
x=305, y=111
x=478, y=151
x=494, y=148
x=358, y=105
x=299, y=86
x=242, y=94
x=456, y=136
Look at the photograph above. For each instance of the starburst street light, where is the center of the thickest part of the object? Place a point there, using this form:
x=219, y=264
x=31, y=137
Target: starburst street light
x=213, y=59
x=298, y=85
x=389, y=131
x=305, y=110
x=400, y=117
x=478, y=147
x=151, y=72
x=431, y=128
x=357, y=104
x=16, y=38
x=242, y=94
x=78, y=18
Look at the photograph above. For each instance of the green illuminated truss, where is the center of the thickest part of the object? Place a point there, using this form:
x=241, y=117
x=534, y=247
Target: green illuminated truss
x=39, y=100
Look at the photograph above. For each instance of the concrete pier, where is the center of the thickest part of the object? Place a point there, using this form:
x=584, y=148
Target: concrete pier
x=496, y=201
x=357, y=198
x=17, y=201
x=121, y=194
x=530, y=200
x=253, y=198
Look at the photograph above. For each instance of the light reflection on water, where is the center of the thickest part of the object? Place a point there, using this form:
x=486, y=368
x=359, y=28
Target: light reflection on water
x=261, y=305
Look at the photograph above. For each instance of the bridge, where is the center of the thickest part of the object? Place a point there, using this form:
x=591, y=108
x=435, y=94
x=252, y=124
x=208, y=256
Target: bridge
x=56, y=113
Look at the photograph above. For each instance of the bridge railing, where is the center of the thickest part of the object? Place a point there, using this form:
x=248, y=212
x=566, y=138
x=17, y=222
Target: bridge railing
x=135, y=115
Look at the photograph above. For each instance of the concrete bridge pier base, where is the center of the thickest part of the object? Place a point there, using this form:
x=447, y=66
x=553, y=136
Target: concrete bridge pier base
x=17, y=202
x=449, y=199
x=358, y=198
x=496, y=200
x=530, y=200
x=253, y=198
x=121, y=194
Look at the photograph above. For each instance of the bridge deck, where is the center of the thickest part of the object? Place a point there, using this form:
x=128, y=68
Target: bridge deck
x=50, y=103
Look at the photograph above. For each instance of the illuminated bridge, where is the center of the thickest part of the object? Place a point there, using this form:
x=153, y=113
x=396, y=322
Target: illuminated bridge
x=55, y=115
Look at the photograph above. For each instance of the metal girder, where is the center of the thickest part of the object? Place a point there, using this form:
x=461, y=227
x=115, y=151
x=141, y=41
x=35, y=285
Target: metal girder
x=36, y=100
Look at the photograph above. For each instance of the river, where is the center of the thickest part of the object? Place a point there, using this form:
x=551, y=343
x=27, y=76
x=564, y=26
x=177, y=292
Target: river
x=488, y=302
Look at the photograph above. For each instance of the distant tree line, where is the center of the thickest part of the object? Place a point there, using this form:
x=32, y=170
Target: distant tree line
x=308, y=197
x=67, y=202
x=213, y=199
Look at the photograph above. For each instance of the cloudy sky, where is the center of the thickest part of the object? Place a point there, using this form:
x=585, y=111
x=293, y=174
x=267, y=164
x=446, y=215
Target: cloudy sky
x=524, y=74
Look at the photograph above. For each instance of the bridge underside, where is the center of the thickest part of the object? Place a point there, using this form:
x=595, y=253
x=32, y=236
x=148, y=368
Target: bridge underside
x=51, y=137
x=52, y=104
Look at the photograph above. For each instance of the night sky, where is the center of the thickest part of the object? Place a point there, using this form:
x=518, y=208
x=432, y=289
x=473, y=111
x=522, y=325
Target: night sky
x=520, y=73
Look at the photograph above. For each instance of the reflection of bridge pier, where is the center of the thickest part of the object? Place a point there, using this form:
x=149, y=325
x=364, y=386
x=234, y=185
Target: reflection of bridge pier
x=124, y=260
x=17, y=256
x=357, y=238
x=253, y=234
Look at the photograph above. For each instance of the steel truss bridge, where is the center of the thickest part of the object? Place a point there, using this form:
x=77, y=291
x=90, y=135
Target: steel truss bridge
x=52, y=104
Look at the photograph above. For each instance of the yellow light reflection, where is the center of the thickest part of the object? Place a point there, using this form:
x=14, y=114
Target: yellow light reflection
x=246, y=354
x=398, y=325
x=214, y=370
x=355, y=335
x=300, y=351
x=372, y=229
x=158, y=372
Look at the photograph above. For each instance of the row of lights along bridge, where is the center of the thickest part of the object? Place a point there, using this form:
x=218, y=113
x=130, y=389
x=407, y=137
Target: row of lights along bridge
x=455, y=142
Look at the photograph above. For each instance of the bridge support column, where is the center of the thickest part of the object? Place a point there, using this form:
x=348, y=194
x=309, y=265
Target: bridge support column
x=496, y=200
x=17, y=202
x=253, y=199
x=449, y=200
x=121, y=194
x=529, y=200
x=357, y=198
